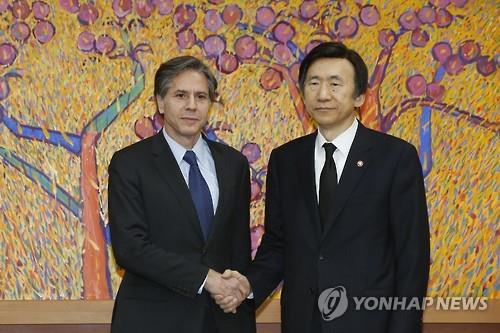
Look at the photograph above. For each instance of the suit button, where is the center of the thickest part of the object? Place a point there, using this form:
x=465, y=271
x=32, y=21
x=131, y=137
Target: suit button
x=321, y=258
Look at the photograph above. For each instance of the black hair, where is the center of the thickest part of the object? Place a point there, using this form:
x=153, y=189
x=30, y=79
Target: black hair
x=173, y=67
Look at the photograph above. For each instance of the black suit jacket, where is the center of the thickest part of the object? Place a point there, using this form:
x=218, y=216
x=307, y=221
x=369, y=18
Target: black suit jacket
x=375, y=244
x=157, y=238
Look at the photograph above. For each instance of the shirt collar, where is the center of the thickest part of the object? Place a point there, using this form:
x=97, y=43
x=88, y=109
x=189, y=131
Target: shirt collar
x=200, y=148
x=343, y=142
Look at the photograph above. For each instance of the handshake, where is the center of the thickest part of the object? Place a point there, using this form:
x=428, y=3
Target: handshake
x=228, y=289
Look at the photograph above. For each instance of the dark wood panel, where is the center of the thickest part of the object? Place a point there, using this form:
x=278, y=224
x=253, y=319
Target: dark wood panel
x=99, y=312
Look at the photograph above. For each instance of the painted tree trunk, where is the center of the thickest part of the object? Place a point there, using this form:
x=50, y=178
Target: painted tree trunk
x=95, y=281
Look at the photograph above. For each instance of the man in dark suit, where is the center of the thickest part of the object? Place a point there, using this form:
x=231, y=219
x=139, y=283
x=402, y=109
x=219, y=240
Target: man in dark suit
x=179, y=215
x=346, y=214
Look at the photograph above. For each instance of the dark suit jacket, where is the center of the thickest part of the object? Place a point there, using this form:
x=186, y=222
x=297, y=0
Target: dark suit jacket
x=375, y=244
x=157, y=238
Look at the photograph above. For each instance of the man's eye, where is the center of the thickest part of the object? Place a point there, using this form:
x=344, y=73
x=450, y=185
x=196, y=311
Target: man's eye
x=180, y=95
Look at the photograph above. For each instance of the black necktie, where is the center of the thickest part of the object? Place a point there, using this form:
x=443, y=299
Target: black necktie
x=327, y=184
x=200, y=193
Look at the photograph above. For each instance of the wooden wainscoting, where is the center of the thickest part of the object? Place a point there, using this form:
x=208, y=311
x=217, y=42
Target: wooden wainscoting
x=99, y=312
x=95, y=316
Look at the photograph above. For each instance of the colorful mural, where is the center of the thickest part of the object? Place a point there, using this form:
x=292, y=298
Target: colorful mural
x=76, y=85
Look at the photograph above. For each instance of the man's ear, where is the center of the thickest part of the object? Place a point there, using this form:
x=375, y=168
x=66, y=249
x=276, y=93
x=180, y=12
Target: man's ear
x=358, y=101
x=159, y=104
x=302, y=99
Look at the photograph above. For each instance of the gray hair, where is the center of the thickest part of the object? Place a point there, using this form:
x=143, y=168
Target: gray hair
x=173, y=67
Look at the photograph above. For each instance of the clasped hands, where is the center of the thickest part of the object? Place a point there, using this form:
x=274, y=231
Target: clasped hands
x=228, y=289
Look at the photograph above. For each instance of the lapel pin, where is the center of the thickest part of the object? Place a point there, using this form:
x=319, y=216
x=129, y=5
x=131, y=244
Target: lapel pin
x=360, y=163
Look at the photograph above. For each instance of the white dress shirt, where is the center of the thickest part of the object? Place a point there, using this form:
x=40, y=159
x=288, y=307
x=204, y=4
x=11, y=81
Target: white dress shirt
x=205, y=163
x=343, y=142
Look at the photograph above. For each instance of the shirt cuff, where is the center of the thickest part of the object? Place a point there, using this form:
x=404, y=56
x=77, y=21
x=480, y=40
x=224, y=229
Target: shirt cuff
x=202, y=285
x=250, y=296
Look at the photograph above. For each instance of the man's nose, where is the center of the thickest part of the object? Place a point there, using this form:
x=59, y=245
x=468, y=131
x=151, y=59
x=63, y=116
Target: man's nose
x=324, y=92
x=191, y=102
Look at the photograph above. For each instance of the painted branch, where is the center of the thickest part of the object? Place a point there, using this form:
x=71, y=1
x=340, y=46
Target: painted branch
x=104, y=118
x=71, y=142
x=408, y=104
x=380, y=69
x=300, y=110
x=370, y=112
x=48, y=185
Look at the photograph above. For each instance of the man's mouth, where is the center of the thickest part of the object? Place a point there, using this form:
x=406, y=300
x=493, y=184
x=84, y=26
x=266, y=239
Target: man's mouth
x=189, y=118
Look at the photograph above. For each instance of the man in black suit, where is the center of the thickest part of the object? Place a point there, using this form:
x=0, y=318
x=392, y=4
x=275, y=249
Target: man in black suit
x=346, y=213
x=179, y=215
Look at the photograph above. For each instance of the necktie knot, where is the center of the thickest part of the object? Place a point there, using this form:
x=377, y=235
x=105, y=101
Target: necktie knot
x=190, y=158
x=329, y=149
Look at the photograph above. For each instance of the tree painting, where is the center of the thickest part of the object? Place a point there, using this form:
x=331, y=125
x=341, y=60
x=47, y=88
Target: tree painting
x=76, y=85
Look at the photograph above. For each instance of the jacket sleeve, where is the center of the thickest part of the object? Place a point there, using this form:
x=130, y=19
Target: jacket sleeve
x=130, y=238
x=266, y=270
x=410, y=231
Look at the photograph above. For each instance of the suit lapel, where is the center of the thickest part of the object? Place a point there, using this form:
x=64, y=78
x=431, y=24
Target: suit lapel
x=308, y=180
x=223, y=179
x=169, y=171
x=357, y=162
